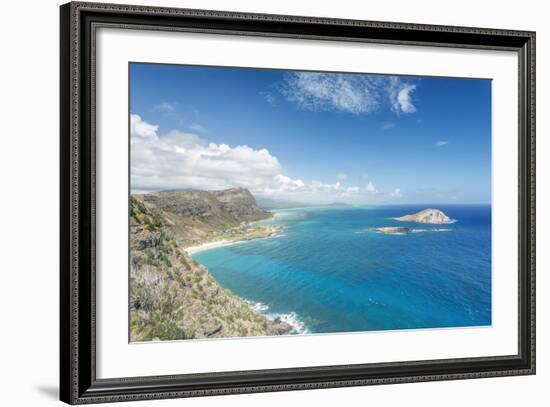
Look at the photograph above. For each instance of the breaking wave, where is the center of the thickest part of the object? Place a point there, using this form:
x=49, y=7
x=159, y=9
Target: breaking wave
x=291, y=318
x=429, y=230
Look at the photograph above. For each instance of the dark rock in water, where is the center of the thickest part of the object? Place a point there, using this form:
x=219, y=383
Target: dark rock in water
x=393, y=230
x=278, y=327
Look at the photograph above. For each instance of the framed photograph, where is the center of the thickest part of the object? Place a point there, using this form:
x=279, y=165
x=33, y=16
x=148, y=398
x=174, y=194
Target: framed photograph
x=255, y=203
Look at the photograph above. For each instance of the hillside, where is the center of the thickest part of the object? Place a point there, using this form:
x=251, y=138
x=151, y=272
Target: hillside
x=171, y=295
x=198, y=216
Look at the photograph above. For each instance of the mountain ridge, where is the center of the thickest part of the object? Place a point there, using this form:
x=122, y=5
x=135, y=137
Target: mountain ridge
x=195, y=215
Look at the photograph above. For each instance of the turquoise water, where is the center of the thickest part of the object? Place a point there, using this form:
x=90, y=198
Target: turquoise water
x=328, y=272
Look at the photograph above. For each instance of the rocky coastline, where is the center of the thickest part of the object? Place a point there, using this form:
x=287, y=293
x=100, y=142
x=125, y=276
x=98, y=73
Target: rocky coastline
x=172, y=296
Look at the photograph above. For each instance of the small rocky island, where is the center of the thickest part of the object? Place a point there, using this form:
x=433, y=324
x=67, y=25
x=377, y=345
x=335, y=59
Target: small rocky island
x=393, y=230
x=426, y=216
x=431, y=216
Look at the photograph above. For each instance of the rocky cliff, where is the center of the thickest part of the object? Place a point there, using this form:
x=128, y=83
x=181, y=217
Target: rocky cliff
x=171, y=295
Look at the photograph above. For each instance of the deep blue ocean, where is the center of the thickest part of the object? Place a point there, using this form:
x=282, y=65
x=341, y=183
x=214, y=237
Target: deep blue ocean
x=329, y=272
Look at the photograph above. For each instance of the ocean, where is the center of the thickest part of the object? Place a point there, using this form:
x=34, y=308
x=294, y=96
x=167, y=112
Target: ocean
x=328, y=271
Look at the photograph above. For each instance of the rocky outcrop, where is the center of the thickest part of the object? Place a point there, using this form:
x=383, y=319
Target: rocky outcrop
x=431, y=216
x=393, y=230
x=171, y=295
x=276, y=327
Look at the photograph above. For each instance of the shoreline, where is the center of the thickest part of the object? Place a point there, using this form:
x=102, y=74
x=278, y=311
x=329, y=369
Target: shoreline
x=211, y=245
x=191, y=250
x=291, y=319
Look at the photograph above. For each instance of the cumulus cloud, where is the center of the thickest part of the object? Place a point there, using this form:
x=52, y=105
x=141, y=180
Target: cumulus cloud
x=141, y=130
x=441, y=143
x=281, y=185
x=401, y=95
x=349, y=93
x=180, y=160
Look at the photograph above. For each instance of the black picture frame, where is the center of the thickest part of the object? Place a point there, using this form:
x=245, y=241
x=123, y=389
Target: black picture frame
x=78, y=382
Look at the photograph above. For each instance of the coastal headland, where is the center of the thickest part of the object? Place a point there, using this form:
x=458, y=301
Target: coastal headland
x=172, y=296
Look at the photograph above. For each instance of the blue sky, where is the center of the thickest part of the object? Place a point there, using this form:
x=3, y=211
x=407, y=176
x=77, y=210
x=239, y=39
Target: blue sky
x=312, y=137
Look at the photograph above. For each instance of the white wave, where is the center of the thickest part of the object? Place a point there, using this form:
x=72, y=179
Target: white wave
x=429, y=230
x=291, y=318
x=257, y=306
x=400, y=233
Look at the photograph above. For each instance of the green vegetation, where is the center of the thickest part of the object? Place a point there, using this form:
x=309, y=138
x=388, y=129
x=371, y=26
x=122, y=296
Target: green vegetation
x=142, y=216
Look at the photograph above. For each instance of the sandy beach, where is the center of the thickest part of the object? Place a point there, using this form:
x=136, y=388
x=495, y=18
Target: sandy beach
x=226, y=242
x=210, y=245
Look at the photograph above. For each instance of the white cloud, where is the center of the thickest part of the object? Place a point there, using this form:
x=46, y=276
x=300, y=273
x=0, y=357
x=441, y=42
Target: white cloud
x=401, y=96
x=404, y=99
x=180, y=160
x=396, y=193
x=164, y=107
x=140, y=129
x=371, y=188
x=270, y=98
x=441, y=143
x=317, y=187
x=341, y=176
x=281, y=185
x=351, y=93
